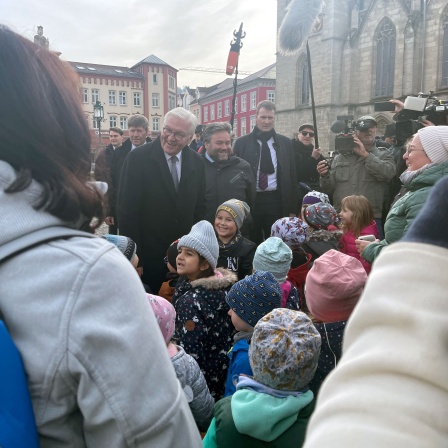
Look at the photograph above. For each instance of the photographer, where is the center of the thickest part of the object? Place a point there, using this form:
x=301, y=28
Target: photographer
x=366, y=170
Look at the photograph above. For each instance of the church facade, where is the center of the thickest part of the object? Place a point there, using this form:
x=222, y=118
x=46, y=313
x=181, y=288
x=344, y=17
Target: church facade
x=362, y=51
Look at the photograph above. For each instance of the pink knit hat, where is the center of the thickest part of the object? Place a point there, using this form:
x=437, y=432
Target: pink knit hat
x=333, y=286
x=165, y=315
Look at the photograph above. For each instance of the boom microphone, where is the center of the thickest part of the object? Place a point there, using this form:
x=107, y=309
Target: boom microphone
x=337, y=127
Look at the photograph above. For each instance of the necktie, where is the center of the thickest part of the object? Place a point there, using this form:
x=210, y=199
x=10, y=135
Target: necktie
x=173, y=170
x=263, y=180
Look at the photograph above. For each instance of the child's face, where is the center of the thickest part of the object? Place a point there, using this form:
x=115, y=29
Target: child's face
x=346, y=216
x=188, y=263
x=302, y=212
x=239, y=323
x=225, y=226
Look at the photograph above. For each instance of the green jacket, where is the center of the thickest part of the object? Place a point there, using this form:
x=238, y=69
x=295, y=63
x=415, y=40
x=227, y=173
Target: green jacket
x=251, y=419
x=352, y=174
x=404, y=211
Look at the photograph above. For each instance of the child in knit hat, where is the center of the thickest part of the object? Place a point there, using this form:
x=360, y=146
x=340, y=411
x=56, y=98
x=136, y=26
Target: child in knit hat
x=274, y=256
x=313, y=197
x=235, y=252
x=249, y=300
x=333, y=287
x=167, y=289
x=125, y=245
x=293, y=232
x=203, y=327
x=273, y=407
x=187, y=369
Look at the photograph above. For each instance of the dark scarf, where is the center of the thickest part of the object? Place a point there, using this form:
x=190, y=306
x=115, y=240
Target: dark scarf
x=224, y=248
x=266, y=165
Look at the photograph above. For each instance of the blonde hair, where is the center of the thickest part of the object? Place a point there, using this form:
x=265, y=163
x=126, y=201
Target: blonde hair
x=362, y=211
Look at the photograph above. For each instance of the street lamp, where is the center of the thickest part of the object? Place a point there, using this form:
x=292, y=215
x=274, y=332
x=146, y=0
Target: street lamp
x=98, y=115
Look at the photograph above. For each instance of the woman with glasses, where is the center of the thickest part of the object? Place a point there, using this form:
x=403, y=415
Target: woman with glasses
x=427, y=162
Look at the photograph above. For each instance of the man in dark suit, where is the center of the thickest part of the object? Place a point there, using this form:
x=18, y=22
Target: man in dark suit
x=161, y=193
x=272, y=160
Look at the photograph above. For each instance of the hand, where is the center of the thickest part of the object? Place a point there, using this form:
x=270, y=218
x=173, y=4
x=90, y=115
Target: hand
x=427, y=123
x=362, y=244
x=316, y=153
x=110, y=221
x=359, y=147
x=139, y=271
x=322, y=168
x=399, y=105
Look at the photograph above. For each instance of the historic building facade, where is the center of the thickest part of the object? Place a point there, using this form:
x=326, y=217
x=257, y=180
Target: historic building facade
x=363, y=51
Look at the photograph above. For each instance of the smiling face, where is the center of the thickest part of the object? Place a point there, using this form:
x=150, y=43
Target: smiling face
x=306, y=139
x=220, y=146
x=346, y=216
x=179, y=138
x=415, y=156
x=189, y=264
x=225, y=226
x=265, y=119
x=115, y=139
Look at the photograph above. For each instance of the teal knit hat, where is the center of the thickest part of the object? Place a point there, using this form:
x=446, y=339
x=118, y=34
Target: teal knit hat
x=274, y=256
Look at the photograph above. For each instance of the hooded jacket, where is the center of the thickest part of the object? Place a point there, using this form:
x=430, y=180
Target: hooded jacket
x=78, y=314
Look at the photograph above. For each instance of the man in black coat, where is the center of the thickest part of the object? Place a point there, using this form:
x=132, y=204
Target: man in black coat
x=227, y=176
x=161, y=193
x=271, y=158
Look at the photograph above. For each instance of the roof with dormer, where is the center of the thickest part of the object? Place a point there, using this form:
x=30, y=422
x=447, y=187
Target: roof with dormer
x=86, y=69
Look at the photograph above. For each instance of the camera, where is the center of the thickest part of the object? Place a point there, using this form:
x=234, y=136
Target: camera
x=416, y=110
x=344, y=129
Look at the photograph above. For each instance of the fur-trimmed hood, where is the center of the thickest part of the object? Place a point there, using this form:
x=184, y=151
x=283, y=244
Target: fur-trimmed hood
x=217, y=281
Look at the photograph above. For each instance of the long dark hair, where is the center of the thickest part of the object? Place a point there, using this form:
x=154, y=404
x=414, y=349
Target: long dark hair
x=43, y=130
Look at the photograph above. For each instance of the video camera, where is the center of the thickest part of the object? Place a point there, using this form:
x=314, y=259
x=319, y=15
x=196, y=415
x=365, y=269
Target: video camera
x=344, y=128
x=416, y=110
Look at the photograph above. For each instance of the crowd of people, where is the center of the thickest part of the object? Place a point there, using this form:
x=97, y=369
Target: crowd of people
x=234, y=302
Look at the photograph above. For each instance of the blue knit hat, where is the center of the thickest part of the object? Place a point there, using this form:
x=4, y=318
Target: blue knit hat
x=203, y=240
x=126, y=246
x=255, y=296
x=275, y=256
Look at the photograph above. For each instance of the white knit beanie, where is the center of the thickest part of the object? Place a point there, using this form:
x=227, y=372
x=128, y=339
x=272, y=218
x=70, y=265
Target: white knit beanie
x=203, y=240
x=435, y=142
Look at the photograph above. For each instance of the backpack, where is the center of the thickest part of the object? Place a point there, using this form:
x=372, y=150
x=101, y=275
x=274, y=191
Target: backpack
x=17, y=424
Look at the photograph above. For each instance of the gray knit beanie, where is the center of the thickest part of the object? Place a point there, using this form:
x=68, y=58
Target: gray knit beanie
x=274, y=256
x=237, y=209
x=203, y=240
x=435, y=142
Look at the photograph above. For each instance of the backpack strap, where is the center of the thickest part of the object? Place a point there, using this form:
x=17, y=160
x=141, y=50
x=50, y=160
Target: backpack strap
x=32, y=239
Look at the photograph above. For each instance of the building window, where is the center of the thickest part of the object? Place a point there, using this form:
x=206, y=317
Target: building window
x=123, y=123
x=385, y=59
x=253, y=100
x=155, y=124
x=155, y=100
x=271, y=96
x=171, y=102
x=227, y=108
x=235, y=128
x=243, y=126
x=137, y=99
x=122, y=98
x=154, y=78
x=112, y=122
x=303, y=81
x=95, y=124
x=112, y=98
x=95, y=95
x=171, y=82
x=445, y=50
x=236, y=104
x=252, y=122
x=205, y=113
x=85, y=95
x=212, y=112
x=243, y=103
x=219, y=110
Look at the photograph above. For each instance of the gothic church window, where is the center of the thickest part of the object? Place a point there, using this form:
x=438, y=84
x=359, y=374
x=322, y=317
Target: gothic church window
x=385, y=58
x=303, y=82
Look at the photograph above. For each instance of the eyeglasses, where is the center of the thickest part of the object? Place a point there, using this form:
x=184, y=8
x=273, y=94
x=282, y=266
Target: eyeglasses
x=176, y=135
x=409, y=150
x=305, y=133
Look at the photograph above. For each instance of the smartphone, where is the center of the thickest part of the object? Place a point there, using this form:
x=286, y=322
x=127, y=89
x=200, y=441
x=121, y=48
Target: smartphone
x=382, y=106
x=370, y=238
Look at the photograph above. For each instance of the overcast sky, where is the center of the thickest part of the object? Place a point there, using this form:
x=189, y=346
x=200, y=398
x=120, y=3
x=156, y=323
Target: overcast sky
x=183, y=33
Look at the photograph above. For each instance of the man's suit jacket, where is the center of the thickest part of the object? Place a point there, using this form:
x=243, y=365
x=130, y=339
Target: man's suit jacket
x=248, y=148
x=151, y=212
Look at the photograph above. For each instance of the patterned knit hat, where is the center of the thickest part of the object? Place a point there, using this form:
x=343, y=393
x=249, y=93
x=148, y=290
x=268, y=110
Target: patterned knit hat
x=284, y=350
x=165, y=315
x=238, y=210
x=273, y=255
x=320, y=216
x=292, y=231
x=126, y=246
x=333, y=286
x=435, y=142
x=254, y=296
x=313, y=197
